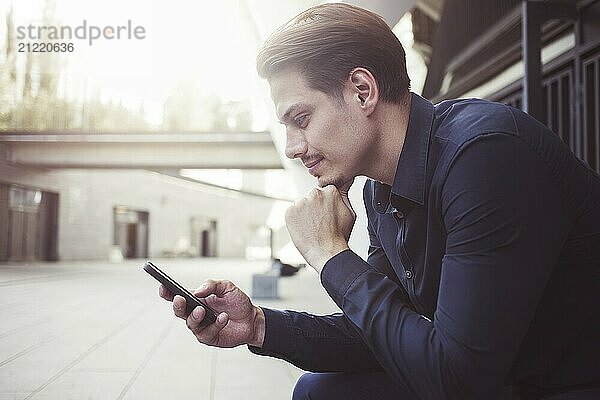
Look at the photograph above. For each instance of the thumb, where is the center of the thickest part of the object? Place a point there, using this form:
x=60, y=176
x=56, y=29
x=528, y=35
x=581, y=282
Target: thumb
x=344, y=189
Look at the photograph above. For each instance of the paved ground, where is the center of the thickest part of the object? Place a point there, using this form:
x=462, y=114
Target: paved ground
x=99, y=331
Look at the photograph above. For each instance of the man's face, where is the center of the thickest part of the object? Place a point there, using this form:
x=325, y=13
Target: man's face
x=329, y=135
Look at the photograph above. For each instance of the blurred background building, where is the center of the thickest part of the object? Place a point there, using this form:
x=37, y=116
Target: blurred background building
x=168, y=146
x=541, y=56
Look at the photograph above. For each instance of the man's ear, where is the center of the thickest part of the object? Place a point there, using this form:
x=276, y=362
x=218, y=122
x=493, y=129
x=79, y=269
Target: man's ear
x=364, y=89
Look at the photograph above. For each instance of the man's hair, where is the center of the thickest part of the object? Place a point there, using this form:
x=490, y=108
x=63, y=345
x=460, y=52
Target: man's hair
x=326, y=42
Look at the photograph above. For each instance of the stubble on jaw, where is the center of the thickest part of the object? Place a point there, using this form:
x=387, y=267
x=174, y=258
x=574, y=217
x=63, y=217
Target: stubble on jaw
x=341, y=184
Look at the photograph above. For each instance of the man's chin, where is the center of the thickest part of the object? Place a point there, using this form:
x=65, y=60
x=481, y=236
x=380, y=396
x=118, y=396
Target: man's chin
x=323, y=181
x=338, y=182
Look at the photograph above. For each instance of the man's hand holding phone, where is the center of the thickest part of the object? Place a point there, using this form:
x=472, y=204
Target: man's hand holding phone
x=238, y=321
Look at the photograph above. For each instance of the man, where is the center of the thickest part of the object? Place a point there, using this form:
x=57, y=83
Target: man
x=483, y=275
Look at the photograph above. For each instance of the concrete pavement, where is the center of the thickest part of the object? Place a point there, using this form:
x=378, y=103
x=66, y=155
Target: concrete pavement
x=94, y=330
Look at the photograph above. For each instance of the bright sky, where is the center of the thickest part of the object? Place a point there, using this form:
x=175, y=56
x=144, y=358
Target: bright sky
x=210, y=42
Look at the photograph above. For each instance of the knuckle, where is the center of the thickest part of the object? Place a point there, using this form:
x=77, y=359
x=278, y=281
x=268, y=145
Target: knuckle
x=210, y=300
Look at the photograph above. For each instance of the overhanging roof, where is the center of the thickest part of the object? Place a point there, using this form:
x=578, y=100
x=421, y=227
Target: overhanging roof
x=253, y=150
x=462, y=26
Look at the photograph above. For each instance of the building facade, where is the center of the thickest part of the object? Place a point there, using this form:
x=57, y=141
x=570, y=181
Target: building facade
x=540, y=56
x=76, y=214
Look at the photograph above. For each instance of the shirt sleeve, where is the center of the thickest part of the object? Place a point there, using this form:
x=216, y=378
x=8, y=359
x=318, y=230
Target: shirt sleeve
x=325, y=343
x=501, y=210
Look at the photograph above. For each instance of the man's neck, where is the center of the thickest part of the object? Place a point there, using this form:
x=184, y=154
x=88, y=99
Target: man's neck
x=393, y=123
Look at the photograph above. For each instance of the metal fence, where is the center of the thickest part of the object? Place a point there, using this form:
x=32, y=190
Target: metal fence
x=559, y=106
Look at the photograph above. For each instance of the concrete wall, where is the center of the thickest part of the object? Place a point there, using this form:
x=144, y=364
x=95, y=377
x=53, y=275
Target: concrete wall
x=87, y=199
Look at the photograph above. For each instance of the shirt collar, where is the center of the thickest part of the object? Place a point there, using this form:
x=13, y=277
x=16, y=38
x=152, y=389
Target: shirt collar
x=408, y=188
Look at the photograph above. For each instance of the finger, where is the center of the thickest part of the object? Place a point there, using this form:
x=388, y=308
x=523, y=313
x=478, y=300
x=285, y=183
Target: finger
x=195, y=318
x=179, y=306
x=216, y=303
x=210, y=286
x=314, y=192
x=209, y=333
x=333, y=191
x=344, y=189
x=207, y=288
x=164, y=293
x=328, y=191
x=210, y=300
x=346, y=201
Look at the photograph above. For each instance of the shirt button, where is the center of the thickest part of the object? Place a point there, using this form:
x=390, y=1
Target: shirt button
x=409, y=274
x=399, y=214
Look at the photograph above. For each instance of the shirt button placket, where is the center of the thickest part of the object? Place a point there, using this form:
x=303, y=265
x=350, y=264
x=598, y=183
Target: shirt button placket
x=408, y=273
x=400, y=217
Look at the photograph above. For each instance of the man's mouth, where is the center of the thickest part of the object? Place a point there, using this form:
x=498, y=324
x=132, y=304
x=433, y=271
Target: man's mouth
x=313, y=165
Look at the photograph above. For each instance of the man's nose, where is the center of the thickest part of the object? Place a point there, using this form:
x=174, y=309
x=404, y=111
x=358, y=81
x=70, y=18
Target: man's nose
x=295, y=145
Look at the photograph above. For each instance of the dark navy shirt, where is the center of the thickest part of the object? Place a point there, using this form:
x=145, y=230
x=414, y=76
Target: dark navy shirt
x=483, y=270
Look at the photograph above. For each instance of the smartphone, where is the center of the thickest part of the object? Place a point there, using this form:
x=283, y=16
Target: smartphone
x=191, y=301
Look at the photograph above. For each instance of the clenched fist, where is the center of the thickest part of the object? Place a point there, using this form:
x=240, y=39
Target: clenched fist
x=320, y=224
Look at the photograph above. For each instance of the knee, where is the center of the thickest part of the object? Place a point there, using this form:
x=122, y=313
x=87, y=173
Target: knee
x=311, y=386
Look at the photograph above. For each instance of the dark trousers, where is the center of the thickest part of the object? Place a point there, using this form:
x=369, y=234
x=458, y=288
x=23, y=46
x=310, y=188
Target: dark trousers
x=337, y=385
x=377, y=385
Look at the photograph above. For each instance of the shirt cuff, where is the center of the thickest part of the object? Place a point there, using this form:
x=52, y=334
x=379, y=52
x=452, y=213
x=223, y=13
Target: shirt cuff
x=278, y=334
x=340, y=272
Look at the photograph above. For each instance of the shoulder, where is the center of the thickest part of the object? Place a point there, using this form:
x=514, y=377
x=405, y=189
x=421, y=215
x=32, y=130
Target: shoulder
x=462, y=120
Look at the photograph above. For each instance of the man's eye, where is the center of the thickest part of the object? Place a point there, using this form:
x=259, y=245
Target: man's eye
x=302, y=121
